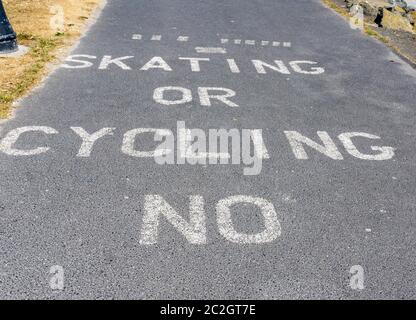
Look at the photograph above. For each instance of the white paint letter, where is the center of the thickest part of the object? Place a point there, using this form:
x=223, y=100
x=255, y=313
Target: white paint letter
x=129, y=140
x=159, y=95
x=6, y=144
x=225, y=224
x=386, y=153
x=297, y=140
x=155, y=206
x=88, y=140
x=205, y=97
x=163, y=152
x=156, y=63
x=107, y=60
x=314, y=70
x=260, y=151
x=82, y=63
x=195, y=67
x=233, y=66
x=260, y=67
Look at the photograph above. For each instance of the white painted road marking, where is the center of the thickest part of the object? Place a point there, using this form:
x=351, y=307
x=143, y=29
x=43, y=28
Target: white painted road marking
x=225, y=222
x=155, y=206
x=261, y=42
x=156, y=63
x=107, y=60
x=195, y=67
x=204, y=93
x=386, y=153
x=296, y=140
x=261, y=67
x=88, y=140
x=233, y=66
x=329, y=148
x=129, y=139
x=210, y=50
x=82, y=63
x=195, y=230
x=6, y=144
x=182, y=39
x=159, y=95
x=206, y=97
x=74, y=62
x=156, y=37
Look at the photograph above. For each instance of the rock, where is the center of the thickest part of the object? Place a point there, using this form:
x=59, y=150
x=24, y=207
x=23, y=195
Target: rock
x=393, y=21
x=369, y=9
x=350, y=3
x=397, y=3
x=410, y=4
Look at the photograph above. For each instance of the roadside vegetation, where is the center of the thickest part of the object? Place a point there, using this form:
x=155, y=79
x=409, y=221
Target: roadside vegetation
x=392, y=22
x=46, y=27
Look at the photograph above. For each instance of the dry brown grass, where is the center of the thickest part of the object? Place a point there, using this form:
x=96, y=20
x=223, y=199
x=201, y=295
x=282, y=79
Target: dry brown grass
x=31, y=21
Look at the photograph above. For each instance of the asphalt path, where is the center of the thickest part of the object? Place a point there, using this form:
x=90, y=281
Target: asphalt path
x=293, y=69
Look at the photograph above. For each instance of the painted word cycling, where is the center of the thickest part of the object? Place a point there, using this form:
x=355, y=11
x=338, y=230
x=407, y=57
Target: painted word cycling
x=300, y=144
x=195, y=64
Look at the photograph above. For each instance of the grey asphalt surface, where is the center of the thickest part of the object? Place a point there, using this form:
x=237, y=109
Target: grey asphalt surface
x=85, y=214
